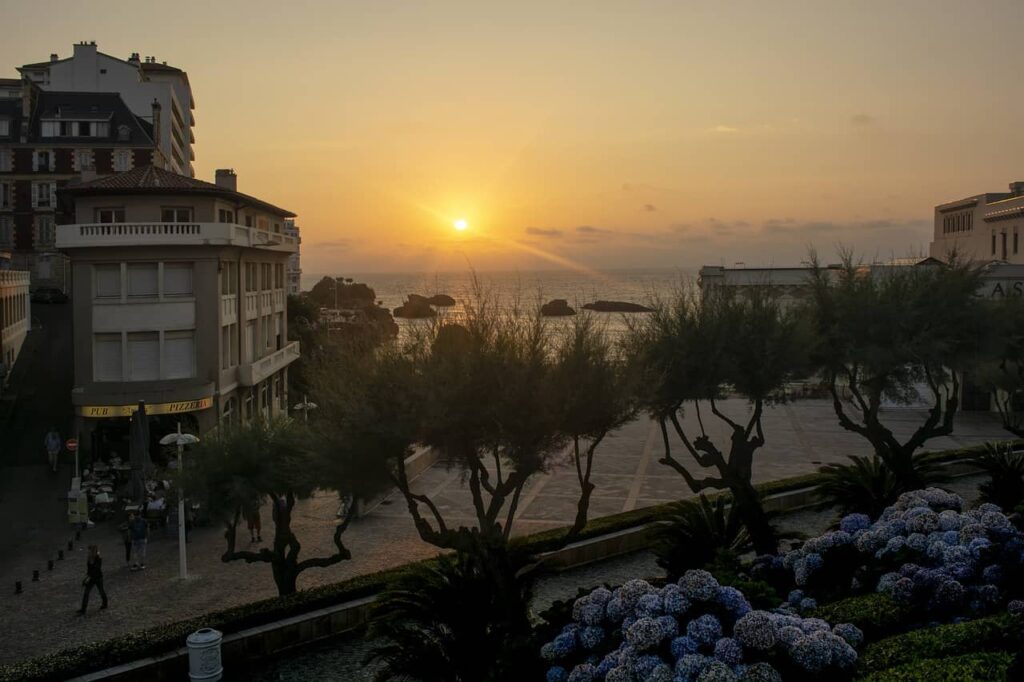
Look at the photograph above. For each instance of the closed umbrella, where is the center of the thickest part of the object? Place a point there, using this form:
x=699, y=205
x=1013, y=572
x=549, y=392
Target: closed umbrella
x=138, y=451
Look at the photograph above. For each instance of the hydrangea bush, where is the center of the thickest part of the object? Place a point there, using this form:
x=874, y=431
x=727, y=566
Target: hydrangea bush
x=924, y=552
x=693, y=630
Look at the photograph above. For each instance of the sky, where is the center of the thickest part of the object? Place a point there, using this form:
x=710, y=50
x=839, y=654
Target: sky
x=581, y=134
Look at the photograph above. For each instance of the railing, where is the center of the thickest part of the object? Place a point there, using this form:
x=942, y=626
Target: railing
x=252, y=304
x=257, y=371
x=138, y=234
x=14, y=277
x=228, y=308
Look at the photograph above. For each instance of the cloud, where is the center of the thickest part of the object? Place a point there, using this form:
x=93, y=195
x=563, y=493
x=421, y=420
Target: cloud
x=590, y=229
x=543, y=232
x=334, y=244
x=650, y=208
x=724, y=129
x=862, y=120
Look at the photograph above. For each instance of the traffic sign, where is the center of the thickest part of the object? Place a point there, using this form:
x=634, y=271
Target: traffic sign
x=71, y=444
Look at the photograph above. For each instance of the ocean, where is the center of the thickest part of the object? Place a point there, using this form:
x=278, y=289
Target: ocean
x=530, y=288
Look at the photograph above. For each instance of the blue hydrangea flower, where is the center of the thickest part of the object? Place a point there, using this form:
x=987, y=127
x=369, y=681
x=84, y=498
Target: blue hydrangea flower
x=619, y=674
x=795, y=596
x=811, y=653
x=590, y=614
x=645, y=665
x=699, y=585
x=600, y=595
x=644, y=634
x=690, y=666
x=615, y=610
x=733, y=600
x=648, y=606
x=557, y=674
x=705, y=629
x=756, y=630
x=917, y=542
x=789, y=634
x=949, y=520
x=607, y=663
x=681, y=646
x=808, y=604
x=564, y=644
x=949, y=593
x=850, y=633
x=591, y=637
x=632, y=590
x=903, y=591
x=668, y=625
x=585, y=672
x=761, y=672
x=717, y=672
x=886, y=582
x=673, y=601
x=729, y=651
x=1015, y=607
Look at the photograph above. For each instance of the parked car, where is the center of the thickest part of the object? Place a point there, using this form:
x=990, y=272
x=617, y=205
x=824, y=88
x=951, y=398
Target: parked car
x=49, y=295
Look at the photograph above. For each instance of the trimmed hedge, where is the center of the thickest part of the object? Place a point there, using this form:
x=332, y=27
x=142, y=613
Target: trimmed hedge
x=995, y=633
x=989, y=667
x=876, y=614
x=161, y=639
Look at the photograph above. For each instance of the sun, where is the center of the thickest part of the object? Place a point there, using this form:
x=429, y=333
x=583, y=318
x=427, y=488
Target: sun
x=461, y=224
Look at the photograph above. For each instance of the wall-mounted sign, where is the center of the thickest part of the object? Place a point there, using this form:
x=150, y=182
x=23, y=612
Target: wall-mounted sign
x=102, y=411
x=1004, y=288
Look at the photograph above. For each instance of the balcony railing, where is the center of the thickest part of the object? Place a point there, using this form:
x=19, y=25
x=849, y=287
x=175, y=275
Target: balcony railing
x=257, y=371
x=167, y=234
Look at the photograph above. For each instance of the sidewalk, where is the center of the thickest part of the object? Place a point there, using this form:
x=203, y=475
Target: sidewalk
x=800, y=437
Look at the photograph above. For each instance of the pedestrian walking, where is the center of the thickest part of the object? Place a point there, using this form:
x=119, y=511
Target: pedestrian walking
x=53, y=444
x=93, y=578
x=139, y=532
x=126, y=538
x=255, y=523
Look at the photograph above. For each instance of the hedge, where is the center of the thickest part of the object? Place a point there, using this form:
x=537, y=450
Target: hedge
x=995, y=633
x=876, y=614
x=79, y=660
x=987, y=667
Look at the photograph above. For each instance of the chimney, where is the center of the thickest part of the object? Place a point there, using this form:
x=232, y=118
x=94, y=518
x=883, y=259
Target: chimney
x=156, y=120
x=85, y=49
x=53, y=57
x=226, y=178
x=134, y=59
x=1017, y=188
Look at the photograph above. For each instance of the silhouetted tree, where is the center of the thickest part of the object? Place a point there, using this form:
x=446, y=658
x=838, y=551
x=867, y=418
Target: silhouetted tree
x=1000, y=365
x=691, y=352
x=882, y=331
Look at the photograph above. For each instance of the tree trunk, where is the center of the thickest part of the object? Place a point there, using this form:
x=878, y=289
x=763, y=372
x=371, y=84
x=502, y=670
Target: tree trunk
x=751, y=511
x=285, y=576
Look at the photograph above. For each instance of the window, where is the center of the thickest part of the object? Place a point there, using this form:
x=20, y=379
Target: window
x=265, y=325
x=225, y=347
x=248, y=404
x=5, y=127
x=110, y=215
x=179, y=354
x=261, y=223
x=264, y=397
x=279, y=276
x=278, y=331
x=230, y=408
x=83, y=160
x=225, y=216
x=248, y=221
x=143, y=356
x=1015, y=240
x=6, y=164
x=44, y=233
x=228, y=278
x=177, y=279
x=250, y=276
x=50, y=129
x=122, y=160
x=101, y=129
x=108, y=280
x=179, y=214
x=6, y=194
x=106, y=357
x=42, y=160
x=142, y=279
x=44, y=194
x=6, y=231
x=250, y=341
x=993, y=243
x=265, y=271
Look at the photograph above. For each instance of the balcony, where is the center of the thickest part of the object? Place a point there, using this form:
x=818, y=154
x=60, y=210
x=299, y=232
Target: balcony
x=172, y=234
x=252, y=374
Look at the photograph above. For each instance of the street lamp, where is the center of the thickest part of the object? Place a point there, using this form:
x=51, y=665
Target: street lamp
x=305, y=406
x=181, y=440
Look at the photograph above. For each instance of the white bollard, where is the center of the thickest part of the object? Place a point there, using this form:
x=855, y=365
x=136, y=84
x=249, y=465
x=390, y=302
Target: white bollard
x=204, y=655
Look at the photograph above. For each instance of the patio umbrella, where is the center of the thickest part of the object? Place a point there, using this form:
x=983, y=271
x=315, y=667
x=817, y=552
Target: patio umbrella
x=138, y=451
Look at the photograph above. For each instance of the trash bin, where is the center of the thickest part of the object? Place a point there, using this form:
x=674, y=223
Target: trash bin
x=204, y=655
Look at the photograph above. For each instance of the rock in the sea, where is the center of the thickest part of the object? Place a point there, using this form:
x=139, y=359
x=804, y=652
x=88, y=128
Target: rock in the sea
x=617, y=307
x=415, y=307
x=443, y=300
x=557, y=308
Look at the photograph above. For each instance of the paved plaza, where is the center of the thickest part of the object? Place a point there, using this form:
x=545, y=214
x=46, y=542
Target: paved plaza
x=800, y=437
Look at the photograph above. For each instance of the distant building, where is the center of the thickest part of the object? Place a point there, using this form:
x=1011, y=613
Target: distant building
x=983, y=227
x=180, y=301
x=142, y=83
x=48, y=139
x=294, y=265
x=15, y=313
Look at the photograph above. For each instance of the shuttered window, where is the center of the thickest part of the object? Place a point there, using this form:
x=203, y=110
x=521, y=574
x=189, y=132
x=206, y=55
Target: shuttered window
x=142, y=279
x=179, y=355
x=106, y=351
x=108, y=280
x=177, y=279
x=143, y=356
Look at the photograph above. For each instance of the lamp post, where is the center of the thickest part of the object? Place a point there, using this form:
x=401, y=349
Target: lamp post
x=305, y=406
x=181, y=440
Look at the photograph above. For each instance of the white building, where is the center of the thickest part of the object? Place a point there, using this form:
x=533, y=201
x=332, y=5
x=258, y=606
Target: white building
x=140, y=82
x=294, y=266
x=983, y=227
x=15, y=311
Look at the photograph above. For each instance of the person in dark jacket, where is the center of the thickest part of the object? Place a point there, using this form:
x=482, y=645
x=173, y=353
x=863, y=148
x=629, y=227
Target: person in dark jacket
x=93, y=578
x=126, y=537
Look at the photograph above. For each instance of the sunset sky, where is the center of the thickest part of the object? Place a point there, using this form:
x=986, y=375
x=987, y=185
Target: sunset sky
x=607, y=134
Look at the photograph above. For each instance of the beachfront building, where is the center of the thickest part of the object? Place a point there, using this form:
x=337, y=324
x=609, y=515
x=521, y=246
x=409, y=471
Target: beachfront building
x=294, y=265
x=983, y=227
x=180, y=302
x=48, y=139
x=153, y=90
x=15, y=313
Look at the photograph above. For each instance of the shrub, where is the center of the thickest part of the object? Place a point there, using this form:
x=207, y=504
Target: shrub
x=986, y=667
x=695, y=531
x=1005, y=468
x=876, y=614
x=865, y=486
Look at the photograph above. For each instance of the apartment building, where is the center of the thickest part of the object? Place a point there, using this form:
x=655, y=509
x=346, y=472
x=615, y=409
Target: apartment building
x=180, y=300
x=15, y=313
x=140, y=82
x=294, y=265
x=48, y=139
x=982, y=227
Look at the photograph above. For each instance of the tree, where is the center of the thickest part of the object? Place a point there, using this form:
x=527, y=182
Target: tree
x=691, y=352
x=238, y=467
x=881, y=332
x=1000, y=366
